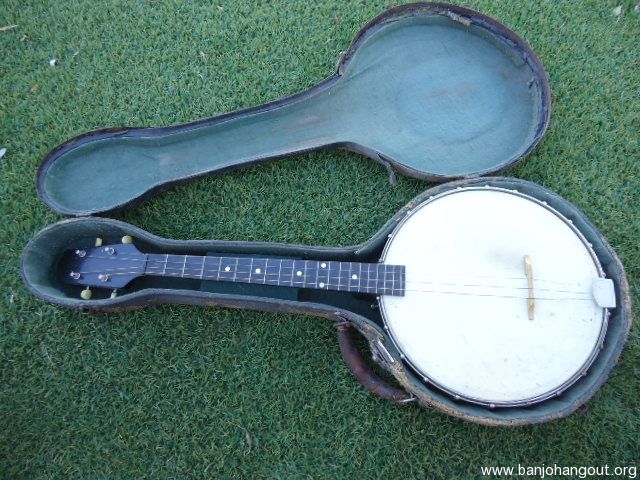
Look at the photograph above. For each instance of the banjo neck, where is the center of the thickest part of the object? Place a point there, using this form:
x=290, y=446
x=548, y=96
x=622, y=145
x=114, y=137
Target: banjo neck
x=372, y=278
x=114, y=266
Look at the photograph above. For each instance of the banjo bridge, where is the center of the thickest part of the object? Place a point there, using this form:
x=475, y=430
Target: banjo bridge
x=531, y=299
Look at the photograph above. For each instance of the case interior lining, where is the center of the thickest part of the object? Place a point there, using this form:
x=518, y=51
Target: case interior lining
x=427, y=92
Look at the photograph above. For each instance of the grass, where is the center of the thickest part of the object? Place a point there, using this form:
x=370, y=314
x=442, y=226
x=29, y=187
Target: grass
x=176, y=392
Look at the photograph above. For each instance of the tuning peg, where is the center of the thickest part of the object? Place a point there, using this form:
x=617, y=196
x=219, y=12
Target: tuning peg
x=114, y=294
x=86, y=294
x=98, y=242
x=127, y=239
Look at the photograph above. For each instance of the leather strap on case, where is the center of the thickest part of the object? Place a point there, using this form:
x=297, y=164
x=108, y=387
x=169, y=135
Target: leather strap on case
x=363, y=372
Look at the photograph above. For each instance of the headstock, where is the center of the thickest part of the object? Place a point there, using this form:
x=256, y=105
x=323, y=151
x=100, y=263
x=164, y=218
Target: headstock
x=105, y=266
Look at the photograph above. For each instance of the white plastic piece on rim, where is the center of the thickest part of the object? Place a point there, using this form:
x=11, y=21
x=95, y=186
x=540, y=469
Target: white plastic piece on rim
x=604, y=293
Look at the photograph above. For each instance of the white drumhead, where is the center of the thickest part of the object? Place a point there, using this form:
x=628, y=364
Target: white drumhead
x=463, y=322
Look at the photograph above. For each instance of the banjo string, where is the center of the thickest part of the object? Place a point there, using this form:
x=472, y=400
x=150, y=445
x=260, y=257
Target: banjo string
x=116, y=271
x=180, y=264
x=500, y=296
x=434, y=291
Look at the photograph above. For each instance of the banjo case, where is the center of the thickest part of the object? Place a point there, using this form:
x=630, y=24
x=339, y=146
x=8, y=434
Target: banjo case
x=511, y=107
x=347, y=310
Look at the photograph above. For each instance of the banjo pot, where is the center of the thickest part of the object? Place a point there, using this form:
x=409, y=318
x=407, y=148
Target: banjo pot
x=506, y=305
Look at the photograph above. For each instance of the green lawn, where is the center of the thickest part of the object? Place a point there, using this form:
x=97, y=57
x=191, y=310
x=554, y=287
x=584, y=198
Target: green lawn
x=175, y=392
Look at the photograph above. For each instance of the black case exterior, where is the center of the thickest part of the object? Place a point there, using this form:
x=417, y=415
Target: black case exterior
x=41, y=254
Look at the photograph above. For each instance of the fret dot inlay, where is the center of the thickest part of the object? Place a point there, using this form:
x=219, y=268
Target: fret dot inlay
x=257, y=270
x=321, y=285
x=299, y=273
x=227, y=269
x=323, y=265
x=354, y=276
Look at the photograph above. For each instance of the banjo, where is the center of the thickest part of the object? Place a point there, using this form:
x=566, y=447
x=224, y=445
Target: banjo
x=489, y=294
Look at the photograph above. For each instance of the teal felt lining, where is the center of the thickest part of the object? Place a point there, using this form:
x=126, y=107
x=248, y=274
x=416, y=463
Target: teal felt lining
x=431, y=94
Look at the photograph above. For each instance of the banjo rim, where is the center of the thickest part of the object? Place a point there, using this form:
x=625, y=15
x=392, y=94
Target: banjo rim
x=424, y=377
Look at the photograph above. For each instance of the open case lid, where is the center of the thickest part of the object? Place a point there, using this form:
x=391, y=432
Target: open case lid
x=431, y=90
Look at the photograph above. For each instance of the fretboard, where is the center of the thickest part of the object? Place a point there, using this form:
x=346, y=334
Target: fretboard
x=374, y=278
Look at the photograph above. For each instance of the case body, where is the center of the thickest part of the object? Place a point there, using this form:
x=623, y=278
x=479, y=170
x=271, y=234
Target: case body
x=344, y=308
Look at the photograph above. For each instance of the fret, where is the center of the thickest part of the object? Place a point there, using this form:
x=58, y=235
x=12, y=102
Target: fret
x=264, y=269
x=151, y=263
x=392, y=279
x=239, y=269
x=345, y=274
x=260, y=268
x=294, y=271
x=317, y=275
x=286, y=272
x=245, y=270
x=368, y=287
x=193, y=266
x=272, y=271
x=304, y=272
x=388, y=278
x=211, y=267
x=326, y=273
x=353, y=281
x=341, y=277
x=373, y=278
x=326, y=269
x=176, y=264
x=288, y=267
x=279, y=271
x=235, y=271
x=184, y=266
x=226, y=272
x=375, y=281
x=401, y=289
x=173, y=265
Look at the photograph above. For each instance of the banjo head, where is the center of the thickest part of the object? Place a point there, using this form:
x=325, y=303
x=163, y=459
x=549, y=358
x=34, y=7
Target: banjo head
x=475, y=321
